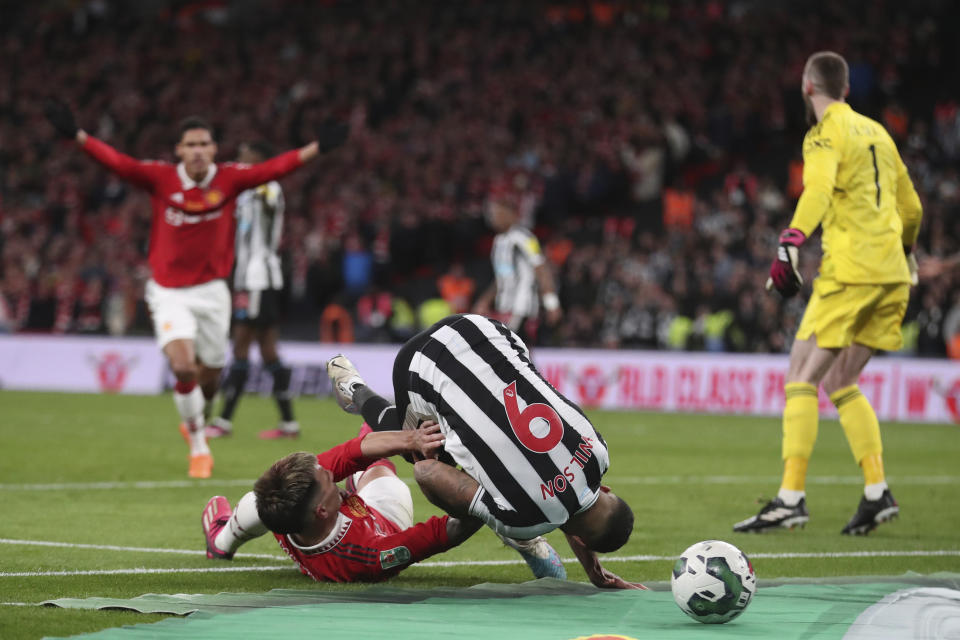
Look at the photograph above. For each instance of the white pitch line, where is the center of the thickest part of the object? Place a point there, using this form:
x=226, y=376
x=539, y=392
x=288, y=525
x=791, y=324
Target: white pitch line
x=752, y=556
x=612, y=479
x=823, y=480
x=139, y=571
x=437, y=563
x=142, y=484
x=110, y=547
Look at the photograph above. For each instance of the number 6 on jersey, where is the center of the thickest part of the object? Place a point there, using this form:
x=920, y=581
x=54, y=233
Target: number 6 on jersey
x=522, y=422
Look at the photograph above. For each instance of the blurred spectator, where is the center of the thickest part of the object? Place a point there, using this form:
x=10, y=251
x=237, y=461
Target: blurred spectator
x=374, y=311
x=456, y=288
x=88, y=310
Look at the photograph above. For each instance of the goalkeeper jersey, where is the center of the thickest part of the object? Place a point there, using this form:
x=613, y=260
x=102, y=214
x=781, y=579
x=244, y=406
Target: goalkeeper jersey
x=857, y=188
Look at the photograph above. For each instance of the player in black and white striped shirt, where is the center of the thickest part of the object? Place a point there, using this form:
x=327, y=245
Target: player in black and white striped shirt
x=531, y=461
x=257, y=287
x=521, y=273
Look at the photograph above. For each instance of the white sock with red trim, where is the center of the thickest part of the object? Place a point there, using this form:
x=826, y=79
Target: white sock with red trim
x=244, y=525
x=189, y=400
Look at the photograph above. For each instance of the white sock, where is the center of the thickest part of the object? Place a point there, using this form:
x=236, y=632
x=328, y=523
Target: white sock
x=290, y=427
x=874, y=491
x=244, y=525
x=190, y=407
x=519, y=545
x=790, y=497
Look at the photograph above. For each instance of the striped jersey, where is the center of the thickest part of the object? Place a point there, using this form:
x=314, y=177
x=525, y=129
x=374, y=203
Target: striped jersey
x=259, y=225
x=516, y=255
x=537, y=458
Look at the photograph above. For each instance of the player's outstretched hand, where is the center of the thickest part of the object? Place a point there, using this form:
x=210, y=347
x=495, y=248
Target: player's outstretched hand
x=61, y=117
x=608, y=580
x=600, y=577
x=427, y=440
x=331, y=134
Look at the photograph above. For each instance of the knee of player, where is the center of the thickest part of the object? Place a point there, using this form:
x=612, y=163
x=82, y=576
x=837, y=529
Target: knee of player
x=423, y=472
x=831, y=384
x=834, y=381
x=184, y=371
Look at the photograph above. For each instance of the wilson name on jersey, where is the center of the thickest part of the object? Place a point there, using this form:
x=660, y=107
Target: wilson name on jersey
x=536, y=456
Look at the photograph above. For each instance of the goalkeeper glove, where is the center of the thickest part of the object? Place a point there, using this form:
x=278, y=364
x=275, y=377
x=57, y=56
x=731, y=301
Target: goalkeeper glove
x=331, y=134
x=60, y=116
x=784, y=274
x=912, y=265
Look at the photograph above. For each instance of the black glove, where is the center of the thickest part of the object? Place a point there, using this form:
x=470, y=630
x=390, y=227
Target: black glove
x=331, y=134
x=60, y=116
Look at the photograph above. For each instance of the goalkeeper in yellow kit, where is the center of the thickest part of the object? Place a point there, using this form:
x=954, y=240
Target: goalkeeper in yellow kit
x=857, y=188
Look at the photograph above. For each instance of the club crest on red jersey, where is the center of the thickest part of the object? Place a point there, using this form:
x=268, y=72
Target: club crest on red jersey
x=356, y=507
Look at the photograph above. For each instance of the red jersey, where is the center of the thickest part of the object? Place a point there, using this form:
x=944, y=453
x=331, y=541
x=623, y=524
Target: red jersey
x=364, y=545
x=192, y=233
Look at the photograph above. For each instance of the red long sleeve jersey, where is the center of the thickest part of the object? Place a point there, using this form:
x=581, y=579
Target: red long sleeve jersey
x=364, y=545
x=192, y=233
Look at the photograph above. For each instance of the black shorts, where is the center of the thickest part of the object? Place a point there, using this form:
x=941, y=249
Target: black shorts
x=259, y=308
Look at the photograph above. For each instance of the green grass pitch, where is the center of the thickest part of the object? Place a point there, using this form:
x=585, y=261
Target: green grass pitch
x=688, y=478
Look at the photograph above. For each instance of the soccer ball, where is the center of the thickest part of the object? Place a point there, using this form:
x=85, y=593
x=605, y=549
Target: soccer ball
x=713, y=582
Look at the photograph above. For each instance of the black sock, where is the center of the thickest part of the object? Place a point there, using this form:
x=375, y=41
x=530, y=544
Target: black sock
x=281, y=389
x=233, y=387
x=377, y=411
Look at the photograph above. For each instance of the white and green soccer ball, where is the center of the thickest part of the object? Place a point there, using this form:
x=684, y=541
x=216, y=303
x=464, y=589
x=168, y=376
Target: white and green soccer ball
x=713, y=582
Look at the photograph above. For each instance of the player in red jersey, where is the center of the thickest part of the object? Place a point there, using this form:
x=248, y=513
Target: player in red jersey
x=192, y=251
x=335, y=535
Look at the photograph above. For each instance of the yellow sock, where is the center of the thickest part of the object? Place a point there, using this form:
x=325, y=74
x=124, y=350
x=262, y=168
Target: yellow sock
x=800, y=416
x=862, y=429
x=794, y=473
x=872, y=467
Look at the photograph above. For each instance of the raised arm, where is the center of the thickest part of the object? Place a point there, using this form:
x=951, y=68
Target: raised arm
x=61, y=118
x=250, y=176
x=330, y=135
x=134, y=171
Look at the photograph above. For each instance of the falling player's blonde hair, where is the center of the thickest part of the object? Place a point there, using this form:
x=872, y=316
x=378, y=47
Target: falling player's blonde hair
x=284, y=492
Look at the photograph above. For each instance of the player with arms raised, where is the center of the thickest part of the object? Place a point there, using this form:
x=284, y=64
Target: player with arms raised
x=857, y=189
x=192, y=250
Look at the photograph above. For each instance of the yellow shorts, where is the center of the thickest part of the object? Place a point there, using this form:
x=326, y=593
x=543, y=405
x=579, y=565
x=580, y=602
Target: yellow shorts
x=840, y=314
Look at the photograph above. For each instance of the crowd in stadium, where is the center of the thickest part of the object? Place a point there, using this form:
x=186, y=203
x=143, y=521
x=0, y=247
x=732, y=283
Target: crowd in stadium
x=655, y=149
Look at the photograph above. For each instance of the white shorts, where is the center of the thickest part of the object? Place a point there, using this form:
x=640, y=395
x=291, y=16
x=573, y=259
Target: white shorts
x=390, y=496
x=200, y=313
